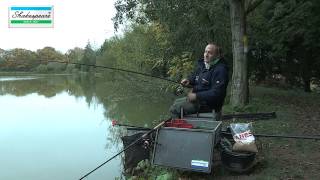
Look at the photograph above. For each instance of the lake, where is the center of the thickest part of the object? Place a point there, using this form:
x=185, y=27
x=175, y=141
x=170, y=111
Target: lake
x=59, y=126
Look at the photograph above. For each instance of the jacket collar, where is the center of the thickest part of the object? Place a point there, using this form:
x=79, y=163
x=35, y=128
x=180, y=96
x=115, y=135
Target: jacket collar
x=212, y=63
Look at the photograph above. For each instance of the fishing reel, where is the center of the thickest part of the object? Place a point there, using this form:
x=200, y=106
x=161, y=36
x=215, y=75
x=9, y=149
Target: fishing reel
x=146, y=143
x=179, y=90
x=149, y=141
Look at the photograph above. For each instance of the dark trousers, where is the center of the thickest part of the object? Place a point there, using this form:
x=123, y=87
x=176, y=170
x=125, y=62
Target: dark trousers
x=192, y=108
x=183, y=103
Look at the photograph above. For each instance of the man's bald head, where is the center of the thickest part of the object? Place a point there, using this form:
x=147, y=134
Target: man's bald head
x=211, y=51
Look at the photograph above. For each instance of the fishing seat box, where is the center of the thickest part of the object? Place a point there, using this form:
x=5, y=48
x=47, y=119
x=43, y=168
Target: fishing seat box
x=187, y=149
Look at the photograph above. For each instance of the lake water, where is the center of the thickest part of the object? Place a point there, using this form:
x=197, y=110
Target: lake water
x=59, y=127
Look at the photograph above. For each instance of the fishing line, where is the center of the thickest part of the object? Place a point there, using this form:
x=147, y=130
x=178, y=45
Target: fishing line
x=118, y=69
x=179, y=89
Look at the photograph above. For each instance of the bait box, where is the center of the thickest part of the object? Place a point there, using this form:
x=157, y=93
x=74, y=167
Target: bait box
x=187, y=149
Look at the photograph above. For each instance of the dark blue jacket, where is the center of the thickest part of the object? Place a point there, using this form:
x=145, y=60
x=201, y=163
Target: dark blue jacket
x=210, y=85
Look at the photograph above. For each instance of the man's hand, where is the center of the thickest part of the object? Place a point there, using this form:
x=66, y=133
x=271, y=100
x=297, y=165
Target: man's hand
x=185, y=82
x=192, y=96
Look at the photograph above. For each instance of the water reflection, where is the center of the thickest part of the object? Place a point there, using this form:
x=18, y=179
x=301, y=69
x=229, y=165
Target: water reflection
x=16, y=78
x=125, y=97
x=59, y=126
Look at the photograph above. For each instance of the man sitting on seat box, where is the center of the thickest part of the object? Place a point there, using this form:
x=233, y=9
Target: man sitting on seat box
x=209, y=84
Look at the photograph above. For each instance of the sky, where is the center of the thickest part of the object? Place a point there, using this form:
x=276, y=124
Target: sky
x=75, y=24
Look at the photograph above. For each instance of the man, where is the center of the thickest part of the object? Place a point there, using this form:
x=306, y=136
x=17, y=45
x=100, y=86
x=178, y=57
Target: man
x=209, y=84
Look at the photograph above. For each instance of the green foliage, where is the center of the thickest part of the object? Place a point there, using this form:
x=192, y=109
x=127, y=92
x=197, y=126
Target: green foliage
x=26, y=60
x=166, y=176
x=71, y=68
x=19, y=59
x=56, y=67
x=283, y=35
x=88, y=58
x=285, y=39
x=41, y=68
x=49, y=54
x=142, y=48
x=147, y=171
x=181, y=66
x=190, y=24
x=40, y=61
x=74, y=55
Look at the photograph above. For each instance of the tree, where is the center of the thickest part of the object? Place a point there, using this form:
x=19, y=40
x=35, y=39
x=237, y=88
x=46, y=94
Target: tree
x=2, y=53
x=295, y=31
x=47, y=54
x=74, y=56
x=239, y=9
x=19, y=59
x=88, y=58
x=285, y=41
x=141, y=48
x=48, y=57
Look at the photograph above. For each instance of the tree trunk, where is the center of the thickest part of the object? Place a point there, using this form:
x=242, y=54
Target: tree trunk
x=239, y=84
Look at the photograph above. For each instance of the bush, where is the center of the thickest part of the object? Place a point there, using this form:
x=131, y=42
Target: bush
x=41, y=68
x=56, y=67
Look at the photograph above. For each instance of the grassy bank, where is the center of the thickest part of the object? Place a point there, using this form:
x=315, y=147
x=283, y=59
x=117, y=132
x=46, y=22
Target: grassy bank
x=298, y=113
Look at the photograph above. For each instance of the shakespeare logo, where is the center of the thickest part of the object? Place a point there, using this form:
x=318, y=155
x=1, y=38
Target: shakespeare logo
x=33, y=17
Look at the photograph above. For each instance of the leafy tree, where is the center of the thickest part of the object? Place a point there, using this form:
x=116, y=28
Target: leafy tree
x=286, y=41
x=141, y=48
x=2, y=52
x=295, y=28
x=88, y=58
x=19, y=59
x=47, y=54
x=262, y=64
x=2, y=57
x=74, y=56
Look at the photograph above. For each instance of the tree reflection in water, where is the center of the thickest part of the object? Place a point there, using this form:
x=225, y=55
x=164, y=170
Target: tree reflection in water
x=127, y=98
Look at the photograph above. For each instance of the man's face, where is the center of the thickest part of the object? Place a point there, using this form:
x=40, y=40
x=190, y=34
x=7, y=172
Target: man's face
x=209, y=53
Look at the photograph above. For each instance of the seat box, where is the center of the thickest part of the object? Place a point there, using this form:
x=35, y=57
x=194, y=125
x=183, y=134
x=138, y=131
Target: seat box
x=187, y=149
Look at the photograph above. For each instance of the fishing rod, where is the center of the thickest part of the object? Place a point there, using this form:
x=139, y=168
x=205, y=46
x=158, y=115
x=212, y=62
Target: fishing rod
x=126, y=148
x=249, y=116
x=254, y=116
x=313, y=137
x=117, y=69
x=179, y=90
x=115, y=123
